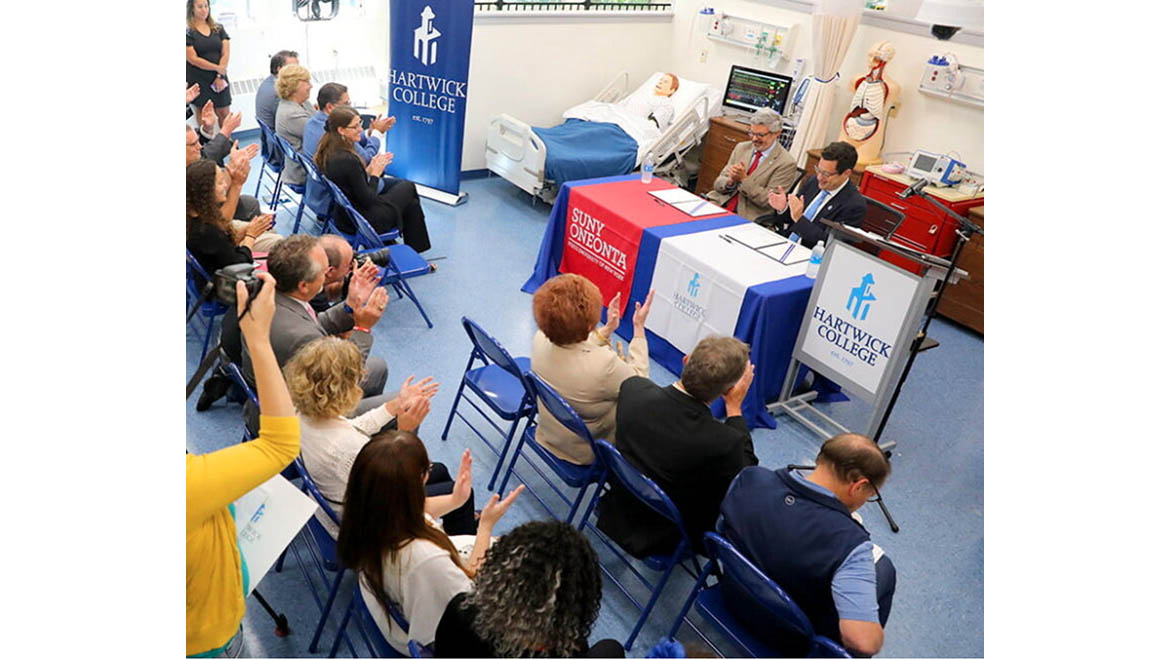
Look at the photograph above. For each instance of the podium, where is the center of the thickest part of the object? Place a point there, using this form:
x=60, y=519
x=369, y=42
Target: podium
x=865, y=320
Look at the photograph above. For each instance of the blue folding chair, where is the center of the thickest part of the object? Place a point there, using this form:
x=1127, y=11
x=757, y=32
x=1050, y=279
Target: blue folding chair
x=772, y=609
x=322, y=548
x=404, y=263
x=270, y=165
x=376, y=643
x=573, y=475
x=647, y=492
x=209, y=310
x=499, y=383
x=317, y=195
x=290, y=156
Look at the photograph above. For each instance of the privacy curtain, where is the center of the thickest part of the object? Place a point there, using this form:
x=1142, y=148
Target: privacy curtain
x=833, y=24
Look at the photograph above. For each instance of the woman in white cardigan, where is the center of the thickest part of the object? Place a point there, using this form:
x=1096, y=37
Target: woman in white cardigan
x=324, y=379
x=573, y=355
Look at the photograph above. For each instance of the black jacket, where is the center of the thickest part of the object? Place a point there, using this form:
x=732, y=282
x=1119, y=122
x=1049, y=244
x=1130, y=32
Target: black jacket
x=846, y=207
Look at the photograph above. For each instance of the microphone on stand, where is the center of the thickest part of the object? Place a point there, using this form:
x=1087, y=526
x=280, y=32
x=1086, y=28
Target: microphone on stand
x=913, y=189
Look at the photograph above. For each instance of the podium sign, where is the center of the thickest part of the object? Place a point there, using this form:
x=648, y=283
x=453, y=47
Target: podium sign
x=859, y=320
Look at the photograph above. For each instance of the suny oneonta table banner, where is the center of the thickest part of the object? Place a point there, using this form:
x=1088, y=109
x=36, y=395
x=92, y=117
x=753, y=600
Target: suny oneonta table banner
x=430, y=49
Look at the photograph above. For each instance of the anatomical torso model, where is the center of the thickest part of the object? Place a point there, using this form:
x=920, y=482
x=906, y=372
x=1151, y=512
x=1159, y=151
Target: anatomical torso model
x=874, y=98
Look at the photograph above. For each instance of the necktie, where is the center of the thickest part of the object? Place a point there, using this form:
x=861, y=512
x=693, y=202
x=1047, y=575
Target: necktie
x=734, y=201
x=309, y=308
x=811, y=211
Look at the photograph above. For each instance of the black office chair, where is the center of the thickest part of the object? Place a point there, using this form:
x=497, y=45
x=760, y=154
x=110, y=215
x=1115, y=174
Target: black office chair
x=796, y=183
x=881, y=219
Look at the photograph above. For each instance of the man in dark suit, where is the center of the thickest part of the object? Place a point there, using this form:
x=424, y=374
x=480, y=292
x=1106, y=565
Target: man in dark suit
x=298, y=264
x=830, y=195
x=670, y=435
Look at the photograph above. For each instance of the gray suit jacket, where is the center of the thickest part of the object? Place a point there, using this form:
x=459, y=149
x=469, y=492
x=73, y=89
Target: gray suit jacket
x=778, y=170
x=290, y=125
x=293, y=327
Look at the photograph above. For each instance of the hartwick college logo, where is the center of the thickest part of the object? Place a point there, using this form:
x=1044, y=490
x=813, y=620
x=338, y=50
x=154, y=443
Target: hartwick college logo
x=425, y=36
x=859, y=296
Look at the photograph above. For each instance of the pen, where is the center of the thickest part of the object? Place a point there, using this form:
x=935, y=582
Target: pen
x=787, y=252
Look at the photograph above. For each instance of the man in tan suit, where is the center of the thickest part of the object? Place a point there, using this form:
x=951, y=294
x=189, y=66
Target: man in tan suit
x=755, y=168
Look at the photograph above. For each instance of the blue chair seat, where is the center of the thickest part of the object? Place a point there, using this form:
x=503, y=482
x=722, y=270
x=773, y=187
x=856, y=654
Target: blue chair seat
x=503, y=393
x=713, y=608
x=572, y=474
x=298, y=188
x=409, y=262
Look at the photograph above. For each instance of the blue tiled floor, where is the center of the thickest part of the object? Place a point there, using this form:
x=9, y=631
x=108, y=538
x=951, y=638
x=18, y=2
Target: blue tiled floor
x=489, y=245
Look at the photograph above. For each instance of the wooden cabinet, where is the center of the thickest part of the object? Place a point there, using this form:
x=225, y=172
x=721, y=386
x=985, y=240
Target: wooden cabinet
x=963, y=302
x=723, y=133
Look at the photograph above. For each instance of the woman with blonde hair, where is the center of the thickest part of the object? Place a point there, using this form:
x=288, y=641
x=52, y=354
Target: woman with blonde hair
x=324, y=379
x=293, y=85
x=396, y=207
x=573, y=355
x=398, y=551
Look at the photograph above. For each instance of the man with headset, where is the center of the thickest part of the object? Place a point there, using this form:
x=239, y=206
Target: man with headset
x=802, y=532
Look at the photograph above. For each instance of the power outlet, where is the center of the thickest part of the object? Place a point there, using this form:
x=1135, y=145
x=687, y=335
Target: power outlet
x=703, y=56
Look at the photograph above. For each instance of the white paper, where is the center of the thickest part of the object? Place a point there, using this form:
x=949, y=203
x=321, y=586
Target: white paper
x=267, y=519
x=688, y=203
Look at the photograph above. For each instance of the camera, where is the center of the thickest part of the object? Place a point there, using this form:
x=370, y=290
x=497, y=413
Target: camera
x=226, y=278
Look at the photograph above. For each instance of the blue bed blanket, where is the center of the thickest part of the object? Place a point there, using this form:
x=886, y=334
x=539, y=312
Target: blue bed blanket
x=579, y=149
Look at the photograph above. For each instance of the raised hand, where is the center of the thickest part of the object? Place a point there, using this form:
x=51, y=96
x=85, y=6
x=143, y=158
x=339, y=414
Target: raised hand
x=413, y=412
x=239, y=163
x=424, y=388
x=778, y=201
x=641, y=311
x=192, y=92
x=496, y=508
x=370, y=313
x=361, y=285
x=231, y=123
x=735, y=396
x=381, y=123
x=613, y=316
x=737, y=172
x=260, y=224
x=257, y=322
x=207, y=117
x=462, y=488
x=795, y=206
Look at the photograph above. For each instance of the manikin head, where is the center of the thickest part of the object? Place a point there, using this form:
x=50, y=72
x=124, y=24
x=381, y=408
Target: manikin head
x=667, y=85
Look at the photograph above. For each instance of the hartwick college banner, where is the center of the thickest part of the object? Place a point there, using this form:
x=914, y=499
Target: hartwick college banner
x=430, y=50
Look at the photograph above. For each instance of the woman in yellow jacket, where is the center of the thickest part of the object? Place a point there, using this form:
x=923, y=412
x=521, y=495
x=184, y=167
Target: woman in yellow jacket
x=217, y=577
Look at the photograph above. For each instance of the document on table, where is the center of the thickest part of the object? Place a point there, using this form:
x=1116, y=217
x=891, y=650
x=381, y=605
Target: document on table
x=688, y=203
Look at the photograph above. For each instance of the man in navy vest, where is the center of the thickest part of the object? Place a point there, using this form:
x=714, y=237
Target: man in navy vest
x=801, y=532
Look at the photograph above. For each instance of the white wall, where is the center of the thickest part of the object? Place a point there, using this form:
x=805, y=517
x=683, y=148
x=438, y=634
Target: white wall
x=534, y=69
x=923, y=122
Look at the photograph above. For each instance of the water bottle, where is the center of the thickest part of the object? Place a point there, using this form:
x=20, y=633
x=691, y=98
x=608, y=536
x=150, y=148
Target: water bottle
x=814, y=262
x=648, y=168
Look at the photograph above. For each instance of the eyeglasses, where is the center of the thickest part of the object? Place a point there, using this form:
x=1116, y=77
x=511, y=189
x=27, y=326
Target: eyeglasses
x=759, y=135
x=823, y=173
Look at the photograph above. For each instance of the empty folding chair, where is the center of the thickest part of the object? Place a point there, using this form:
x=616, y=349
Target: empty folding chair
x=404, y=262
x=573, y=475
x=647, y=492
x=778, y=627
x=499, y=383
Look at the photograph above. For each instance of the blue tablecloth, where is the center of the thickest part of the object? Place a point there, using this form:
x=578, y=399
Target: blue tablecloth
x=769, y=317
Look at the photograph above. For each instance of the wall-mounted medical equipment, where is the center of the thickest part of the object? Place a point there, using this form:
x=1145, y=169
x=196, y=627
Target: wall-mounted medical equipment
x=769, y=41
x=945, y=78
x=936, y=168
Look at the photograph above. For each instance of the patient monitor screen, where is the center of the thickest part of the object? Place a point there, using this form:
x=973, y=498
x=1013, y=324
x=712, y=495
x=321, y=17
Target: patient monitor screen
x=751, y=89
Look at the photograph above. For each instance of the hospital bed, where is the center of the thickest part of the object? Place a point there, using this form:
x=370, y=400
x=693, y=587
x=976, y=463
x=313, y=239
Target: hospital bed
x=517, y=153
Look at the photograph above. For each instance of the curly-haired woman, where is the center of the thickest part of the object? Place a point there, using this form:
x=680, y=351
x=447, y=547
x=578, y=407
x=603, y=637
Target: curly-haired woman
x=573, y=355
x=536, y=595
x=212, y=238
x=398, y=551
x=324, y=378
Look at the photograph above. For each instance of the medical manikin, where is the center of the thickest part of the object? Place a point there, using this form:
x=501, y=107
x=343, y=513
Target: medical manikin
x=874, y=98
